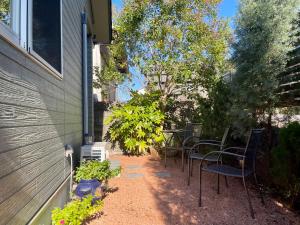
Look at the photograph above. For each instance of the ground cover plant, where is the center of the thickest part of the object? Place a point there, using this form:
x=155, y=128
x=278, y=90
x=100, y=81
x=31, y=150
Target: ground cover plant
x=76, y=211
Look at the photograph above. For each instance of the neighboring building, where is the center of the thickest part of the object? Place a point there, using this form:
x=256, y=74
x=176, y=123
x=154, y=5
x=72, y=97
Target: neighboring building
x=45, y=88
x=100, y=59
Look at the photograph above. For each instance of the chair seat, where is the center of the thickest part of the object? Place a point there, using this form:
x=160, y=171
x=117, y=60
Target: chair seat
x=200, y=156
x=226, y=170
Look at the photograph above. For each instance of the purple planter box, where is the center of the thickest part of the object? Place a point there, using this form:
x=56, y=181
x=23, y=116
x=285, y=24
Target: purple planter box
x=87, y=187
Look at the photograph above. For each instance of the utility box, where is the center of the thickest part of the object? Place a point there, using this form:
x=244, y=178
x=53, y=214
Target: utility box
x=95, y=151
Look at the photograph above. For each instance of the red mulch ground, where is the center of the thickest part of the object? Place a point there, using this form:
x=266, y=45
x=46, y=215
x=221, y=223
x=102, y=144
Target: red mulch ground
x=152, y=200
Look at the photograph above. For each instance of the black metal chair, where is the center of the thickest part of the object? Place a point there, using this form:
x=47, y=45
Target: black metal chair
x=246, y=158
x=196, y=152
x=191, y=136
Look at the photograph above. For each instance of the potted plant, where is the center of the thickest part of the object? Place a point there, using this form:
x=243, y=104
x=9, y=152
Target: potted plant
x=92, y=177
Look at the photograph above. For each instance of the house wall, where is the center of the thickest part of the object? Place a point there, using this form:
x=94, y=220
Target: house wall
x=39, y=114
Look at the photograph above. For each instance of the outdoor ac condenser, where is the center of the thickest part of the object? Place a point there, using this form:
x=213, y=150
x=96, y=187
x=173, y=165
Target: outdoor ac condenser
x=95, y=151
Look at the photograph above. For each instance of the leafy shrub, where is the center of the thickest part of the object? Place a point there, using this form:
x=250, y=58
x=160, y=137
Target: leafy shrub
x=75, y=212
x=137, y=124
x=285, y=168
x=96, y=170
x=212, y=111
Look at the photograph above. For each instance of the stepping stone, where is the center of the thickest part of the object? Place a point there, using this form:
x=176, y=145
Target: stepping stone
x=162, y=174
x=134, y=175
x=133, y=167
x=114, y=164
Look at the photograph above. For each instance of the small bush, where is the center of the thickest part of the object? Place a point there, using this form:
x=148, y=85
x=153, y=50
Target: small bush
x=96, y=170
x=285, y=163
x=137, y=127
x=75, y=212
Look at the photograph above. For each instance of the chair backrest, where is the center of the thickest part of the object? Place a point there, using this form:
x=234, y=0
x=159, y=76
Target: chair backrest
x=253, y=145
x=193, y=129
x=225, y=136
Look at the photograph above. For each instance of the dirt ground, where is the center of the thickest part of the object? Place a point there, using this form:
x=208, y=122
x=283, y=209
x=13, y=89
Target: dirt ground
x=148, y=194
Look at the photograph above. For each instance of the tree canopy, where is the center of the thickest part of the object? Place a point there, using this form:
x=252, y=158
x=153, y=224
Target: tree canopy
x=264, y=37
x=174, y=42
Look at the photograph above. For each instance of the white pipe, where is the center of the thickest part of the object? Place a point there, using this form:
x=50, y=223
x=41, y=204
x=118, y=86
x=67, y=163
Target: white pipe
x=85, y=72
x=71, y=177
x=69, y=153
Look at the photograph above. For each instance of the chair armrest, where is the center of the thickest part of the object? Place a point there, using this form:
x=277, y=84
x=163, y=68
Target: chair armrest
x=204, y=143
x=220, y=153
x=234, y=148
x=200, y=141
x=210, y=141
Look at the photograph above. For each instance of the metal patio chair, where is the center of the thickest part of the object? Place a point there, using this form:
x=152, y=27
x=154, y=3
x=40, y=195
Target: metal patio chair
x=191, y=136
x=246, y=158
x=196, y=152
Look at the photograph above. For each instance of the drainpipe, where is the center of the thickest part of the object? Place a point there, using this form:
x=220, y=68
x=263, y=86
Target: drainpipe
x=85, y=73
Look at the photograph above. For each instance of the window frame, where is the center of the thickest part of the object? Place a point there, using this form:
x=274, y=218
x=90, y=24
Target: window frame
x=30, y=38
x=8, y=32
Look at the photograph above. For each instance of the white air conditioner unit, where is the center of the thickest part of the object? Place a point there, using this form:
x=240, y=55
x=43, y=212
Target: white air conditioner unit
x=95, y=151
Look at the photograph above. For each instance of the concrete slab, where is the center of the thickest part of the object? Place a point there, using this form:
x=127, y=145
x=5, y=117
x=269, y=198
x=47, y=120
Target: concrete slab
x=162, y=174
x=134, y=175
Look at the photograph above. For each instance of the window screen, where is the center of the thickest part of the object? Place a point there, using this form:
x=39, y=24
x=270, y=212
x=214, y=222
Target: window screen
x=46, y=31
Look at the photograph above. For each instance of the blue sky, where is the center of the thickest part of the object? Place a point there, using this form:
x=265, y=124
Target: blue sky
x=227, y=8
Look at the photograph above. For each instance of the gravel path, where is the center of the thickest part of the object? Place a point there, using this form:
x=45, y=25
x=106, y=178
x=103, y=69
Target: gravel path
x=148, y=194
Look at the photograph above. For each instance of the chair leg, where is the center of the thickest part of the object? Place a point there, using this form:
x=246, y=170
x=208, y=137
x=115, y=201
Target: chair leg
x=226, y=181
x=182, y=160
x=192, y=166
x=200, y=180
x=188, y=173
x=260, y=189
x=165, y=157
x=249, y=200
x=218, y=188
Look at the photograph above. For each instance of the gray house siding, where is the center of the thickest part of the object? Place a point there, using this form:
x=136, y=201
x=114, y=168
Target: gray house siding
x=39, y=114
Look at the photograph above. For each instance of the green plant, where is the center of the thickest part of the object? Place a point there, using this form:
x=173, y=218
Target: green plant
x=96, y=170
x=264, y=37
x=212, y=110
x=174, y=44
x=137, y=124
x=285, y=164
x=75, y=212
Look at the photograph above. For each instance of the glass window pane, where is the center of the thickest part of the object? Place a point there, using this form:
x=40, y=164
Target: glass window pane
x=5, y=11
x=9, y=14
x=46, y=31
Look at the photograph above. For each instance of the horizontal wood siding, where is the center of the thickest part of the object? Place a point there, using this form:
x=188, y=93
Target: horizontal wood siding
x=39, y=114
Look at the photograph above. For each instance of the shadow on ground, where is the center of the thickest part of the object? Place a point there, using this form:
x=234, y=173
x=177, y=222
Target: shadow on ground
x=179, y=202
x=159, y=196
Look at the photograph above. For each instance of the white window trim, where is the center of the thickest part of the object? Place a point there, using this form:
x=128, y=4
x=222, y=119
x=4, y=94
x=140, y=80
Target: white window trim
x=9, y=33
x=22, y=41
x=29, y=42
x=23, y=24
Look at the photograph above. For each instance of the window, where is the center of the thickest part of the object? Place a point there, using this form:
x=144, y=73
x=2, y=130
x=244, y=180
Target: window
x=10, y=19
x=45, y=32
x=34, y=25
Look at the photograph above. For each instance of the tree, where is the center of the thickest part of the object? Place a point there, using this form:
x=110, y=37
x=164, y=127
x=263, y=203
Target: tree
x=174, y=43
x=114, y=69
x=264, y=37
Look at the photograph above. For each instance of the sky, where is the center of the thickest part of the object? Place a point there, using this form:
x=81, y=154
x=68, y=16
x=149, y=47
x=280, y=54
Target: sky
x=228, y=9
